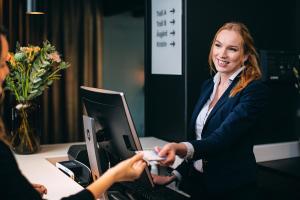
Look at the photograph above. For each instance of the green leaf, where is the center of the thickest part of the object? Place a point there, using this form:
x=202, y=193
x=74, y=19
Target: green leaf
x=50, y=82
x=19, y=56
x=34, y=71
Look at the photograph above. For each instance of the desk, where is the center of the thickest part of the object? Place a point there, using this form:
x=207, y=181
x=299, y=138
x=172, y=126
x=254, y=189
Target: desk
x=280, y=179
x=40, y=168
x=37, y=169
x=289, y=167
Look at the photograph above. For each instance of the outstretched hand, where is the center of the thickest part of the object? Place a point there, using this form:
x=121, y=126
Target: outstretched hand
x=170, y=151
x=130, y=169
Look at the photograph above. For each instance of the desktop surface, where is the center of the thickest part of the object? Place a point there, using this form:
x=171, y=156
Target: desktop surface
x=37, y=168
x=40, y=167
x=279, y=179
x=288, y=167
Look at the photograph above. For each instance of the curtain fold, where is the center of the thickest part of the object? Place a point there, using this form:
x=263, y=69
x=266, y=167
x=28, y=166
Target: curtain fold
x=75, y=29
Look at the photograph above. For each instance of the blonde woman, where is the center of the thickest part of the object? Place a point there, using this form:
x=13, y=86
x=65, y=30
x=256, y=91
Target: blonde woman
x=220, y=163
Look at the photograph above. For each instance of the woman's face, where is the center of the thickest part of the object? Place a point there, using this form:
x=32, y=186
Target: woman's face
x=4, y=70
x=227, y=52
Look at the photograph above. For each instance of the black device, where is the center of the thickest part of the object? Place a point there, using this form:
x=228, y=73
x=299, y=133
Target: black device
x=278, y=65
x=78, y=152
x=76, y=170
x=108, y=119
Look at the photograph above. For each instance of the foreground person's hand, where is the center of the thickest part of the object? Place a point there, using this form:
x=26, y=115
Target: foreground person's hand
x=40, y=188
x=130, y=169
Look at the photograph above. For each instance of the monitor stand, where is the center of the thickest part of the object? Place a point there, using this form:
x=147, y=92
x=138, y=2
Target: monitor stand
x=93, y=149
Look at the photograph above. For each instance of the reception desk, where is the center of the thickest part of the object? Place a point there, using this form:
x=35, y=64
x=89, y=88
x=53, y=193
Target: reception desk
x=40, y=167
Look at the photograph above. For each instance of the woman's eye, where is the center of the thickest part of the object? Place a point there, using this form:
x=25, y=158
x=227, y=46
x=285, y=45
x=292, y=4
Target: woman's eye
x=217, y=45
x=233, y=49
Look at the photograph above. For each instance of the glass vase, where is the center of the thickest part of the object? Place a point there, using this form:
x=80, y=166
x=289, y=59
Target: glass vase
x=26, y=128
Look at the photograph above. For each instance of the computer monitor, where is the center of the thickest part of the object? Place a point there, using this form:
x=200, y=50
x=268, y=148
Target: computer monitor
x=110, y=132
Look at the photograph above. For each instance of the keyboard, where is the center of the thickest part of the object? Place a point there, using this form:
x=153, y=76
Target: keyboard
x=156, y=193
x=116, y=195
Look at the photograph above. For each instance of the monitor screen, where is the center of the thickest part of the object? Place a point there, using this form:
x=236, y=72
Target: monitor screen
x=112, y=128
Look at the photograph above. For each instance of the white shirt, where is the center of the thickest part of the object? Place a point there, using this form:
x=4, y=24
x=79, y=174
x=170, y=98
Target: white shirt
x=202, y=117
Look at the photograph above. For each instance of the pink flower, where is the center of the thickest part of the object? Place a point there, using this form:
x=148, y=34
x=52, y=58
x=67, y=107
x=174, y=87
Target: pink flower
x=54, y=57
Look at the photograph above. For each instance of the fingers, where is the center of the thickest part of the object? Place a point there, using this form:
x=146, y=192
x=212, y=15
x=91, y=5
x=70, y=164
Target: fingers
x=169, y=159
x=40, y=188
x=163, y=151
x=169, y=152
x=139, y=166
x=138, y=156
x=157, y=149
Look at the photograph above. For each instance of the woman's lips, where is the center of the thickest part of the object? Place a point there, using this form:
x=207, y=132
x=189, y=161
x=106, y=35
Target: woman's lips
x=222, y=63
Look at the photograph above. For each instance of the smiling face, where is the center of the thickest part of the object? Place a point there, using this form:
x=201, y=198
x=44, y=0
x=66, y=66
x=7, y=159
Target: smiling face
x=4, y=70
x=227, y=52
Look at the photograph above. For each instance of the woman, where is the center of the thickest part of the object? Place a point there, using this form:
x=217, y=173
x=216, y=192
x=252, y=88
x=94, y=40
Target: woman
x=219, y=162
x=14, y=185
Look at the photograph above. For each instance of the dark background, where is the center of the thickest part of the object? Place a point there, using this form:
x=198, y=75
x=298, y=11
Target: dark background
x=274, y=26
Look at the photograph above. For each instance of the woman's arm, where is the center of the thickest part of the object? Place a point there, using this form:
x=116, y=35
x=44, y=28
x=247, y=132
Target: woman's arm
x=238, y=123
x=127, y=170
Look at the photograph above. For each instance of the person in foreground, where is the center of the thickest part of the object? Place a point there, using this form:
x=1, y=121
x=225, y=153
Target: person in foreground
x=14, y=185
x=219, y=160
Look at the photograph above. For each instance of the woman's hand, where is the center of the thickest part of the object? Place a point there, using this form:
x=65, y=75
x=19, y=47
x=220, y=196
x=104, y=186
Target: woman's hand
x=127, y=170
x=130, y=169
x=170, y=151
x=163, y=180
x=40, y=188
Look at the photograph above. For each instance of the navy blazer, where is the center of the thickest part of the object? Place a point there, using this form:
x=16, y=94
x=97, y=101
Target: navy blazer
x=228, y=136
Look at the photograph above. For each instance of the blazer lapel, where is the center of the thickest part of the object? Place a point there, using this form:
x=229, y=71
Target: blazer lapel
x=222, y=100
x=202, y=100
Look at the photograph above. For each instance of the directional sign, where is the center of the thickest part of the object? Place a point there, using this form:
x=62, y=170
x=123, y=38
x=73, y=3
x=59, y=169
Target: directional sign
x=166, y=37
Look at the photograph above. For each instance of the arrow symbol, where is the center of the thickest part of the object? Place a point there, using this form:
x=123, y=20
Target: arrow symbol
x=172, y=11
x=173, y=32
x=172, y=22
x=172, y=43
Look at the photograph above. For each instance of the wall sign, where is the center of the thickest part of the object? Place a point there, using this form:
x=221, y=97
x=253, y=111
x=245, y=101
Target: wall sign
x=166, y=37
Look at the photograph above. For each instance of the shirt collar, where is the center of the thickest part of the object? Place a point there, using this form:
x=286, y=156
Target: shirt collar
x=231, y=78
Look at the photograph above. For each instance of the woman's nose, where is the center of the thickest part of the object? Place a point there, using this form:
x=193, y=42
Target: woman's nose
x=223, y=53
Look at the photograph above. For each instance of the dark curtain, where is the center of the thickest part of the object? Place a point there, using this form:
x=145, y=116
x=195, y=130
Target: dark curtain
x=75, y=28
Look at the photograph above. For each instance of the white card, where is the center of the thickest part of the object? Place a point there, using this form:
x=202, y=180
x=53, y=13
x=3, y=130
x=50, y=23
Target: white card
x=151, y=155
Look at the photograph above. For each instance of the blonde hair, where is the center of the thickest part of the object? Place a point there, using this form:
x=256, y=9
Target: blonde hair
x=252, y=69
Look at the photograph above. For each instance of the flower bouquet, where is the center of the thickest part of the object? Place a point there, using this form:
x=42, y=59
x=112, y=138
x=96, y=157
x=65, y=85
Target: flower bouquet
x=32, y=70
